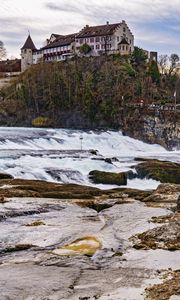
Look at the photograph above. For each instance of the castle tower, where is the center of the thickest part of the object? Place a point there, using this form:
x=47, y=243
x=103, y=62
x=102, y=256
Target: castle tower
x=27, y=54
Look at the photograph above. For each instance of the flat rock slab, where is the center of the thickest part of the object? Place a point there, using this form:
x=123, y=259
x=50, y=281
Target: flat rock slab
x=34, y=228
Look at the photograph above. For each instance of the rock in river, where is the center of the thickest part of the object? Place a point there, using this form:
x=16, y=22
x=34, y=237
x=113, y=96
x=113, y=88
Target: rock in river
x=108, y=177
x=163, y=171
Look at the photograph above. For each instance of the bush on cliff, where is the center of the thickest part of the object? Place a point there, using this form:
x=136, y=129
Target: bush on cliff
x=41, y=122
x=95, y=87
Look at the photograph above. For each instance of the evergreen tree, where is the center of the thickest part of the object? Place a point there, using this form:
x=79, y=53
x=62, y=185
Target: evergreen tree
x=153, y=71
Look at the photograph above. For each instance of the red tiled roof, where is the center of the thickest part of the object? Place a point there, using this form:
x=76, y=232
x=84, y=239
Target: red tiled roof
x=100, y=30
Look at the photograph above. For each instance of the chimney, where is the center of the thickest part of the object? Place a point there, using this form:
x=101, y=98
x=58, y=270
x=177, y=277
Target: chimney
x=107, y=23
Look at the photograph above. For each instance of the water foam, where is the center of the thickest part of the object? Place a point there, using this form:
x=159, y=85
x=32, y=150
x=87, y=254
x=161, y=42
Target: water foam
x=39, y=153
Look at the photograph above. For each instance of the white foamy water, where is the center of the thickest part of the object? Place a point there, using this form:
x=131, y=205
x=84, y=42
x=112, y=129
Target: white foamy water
x=64, y=155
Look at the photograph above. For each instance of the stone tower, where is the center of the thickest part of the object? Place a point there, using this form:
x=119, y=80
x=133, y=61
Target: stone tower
x=27, y=54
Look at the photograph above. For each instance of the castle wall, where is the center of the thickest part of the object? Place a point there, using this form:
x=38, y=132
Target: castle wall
x=26, y=59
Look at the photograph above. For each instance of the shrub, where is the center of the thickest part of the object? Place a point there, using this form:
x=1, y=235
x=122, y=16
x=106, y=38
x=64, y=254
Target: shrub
x=41, y=122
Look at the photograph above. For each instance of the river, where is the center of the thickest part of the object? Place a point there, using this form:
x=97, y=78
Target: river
x=61, y=155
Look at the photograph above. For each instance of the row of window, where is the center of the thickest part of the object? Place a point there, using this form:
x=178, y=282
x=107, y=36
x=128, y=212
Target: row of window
x=98, y=39
x=55, y=58
x=57, y=49
x=53, y=50
x=92, y=40
x=124, y=48
x=98, y=47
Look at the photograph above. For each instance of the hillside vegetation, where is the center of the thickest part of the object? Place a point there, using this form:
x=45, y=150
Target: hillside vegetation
x=87, y=91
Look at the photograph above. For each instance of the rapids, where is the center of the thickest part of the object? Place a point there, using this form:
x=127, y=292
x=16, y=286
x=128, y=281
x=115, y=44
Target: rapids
x=61, y=155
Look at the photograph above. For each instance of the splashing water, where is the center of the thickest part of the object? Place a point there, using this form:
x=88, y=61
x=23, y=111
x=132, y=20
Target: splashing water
x=62, y=155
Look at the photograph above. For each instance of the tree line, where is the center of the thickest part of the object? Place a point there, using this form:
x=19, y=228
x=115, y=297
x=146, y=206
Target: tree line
x=97, y=87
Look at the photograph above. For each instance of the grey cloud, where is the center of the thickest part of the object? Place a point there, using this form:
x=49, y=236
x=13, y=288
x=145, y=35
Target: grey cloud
x=63, y=8
x=136, y=10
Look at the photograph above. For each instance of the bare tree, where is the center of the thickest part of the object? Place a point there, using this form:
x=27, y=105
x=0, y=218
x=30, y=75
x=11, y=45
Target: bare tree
x=2, y=51
x=163, y=63
x=174, y=59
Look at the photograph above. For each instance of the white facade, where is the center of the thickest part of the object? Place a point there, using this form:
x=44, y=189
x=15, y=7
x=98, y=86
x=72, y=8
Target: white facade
x=114, y=38
x=109, y=43
x=26, y=59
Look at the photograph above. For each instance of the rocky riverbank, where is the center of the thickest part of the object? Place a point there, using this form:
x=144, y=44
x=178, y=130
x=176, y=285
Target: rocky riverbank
x=76, y=242
x=153, y=126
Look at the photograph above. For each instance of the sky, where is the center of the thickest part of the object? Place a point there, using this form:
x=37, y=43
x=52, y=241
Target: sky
x=154, y=23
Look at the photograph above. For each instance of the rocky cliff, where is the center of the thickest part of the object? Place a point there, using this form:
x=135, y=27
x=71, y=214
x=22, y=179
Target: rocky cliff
x=153, y=126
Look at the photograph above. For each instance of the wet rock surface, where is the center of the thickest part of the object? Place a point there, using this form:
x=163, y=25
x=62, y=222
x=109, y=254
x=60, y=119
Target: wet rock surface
x=170, y=289
x=108, y=177
x=163, y=171
x=166, y=195
x=80, y=247
x=165, y=237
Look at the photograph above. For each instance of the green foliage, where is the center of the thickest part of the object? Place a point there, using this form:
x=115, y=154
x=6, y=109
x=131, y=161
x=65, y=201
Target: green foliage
x=85, y=49
x=129, y=69
x=139, y=56
x=96, y=88
x=153, y=71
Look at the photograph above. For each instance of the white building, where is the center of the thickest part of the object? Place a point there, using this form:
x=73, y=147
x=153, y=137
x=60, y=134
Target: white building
x=102, y=39
x=109, y=38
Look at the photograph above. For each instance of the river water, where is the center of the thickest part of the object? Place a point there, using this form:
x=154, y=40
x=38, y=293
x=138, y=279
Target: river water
x=43, y=271
x=61, y=155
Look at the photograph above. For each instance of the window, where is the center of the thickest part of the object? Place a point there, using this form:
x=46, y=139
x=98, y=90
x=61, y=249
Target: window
x=97, y=39
x=102, y=39
x=91, y=40
x=81, y=41
x=130, y=41
x=126, y=48
x=123, y=48
x=117, y=38
x=92, y=47
x=97, y=46
x=124, y=29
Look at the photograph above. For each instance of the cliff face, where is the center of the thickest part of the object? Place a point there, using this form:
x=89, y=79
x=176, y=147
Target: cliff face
x=161, y=127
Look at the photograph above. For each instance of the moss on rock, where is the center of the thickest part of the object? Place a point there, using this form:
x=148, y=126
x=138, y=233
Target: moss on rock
x=5, y=176
x=163, y=171
x=108, y=177
x=165, y=290
x=165, y=237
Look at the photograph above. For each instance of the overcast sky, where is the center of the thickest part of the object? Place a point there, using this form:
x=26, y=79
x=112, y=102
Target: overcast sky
x=154, y=23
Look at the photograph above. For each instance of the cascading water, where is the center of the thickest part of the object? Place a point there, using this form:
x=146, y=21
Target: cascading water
x=61, y=155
